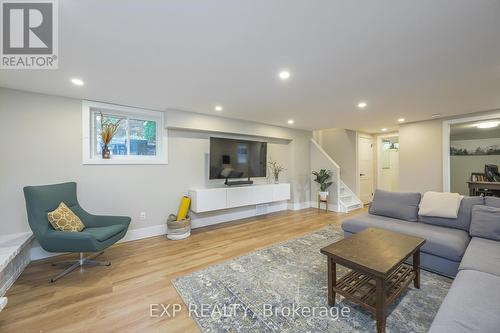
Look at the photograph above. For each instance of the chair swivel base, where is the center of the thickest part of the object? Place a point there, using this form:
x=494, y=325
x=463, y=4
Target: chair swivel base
x=88, y=261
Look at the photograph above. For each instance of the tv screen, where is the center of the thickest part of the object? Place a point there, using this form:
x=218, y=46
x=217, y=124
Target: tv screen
x=232, y=158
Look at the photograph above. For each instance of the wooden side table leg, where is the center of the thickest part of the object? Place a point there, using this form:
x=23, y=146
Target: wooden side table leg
x=332, y=281
x=380, y=306
x=416, y=269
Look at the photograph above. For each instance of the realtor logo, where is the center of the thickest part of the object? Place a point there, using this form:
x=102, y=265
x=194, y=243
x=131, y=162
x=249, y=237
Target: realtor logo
x=29, y=34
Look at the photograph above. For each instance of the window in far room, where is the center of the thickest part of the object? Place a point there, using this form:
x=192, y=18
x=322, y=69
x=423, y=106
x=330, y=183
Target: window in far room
x=242, y=154
x=139, y=137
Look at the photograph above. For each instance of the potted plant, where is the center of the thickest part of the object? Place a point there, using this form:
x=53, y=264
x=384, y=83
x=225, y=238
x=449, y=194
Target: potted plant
x=276, y=169
x=322, y=178
x=108, y=131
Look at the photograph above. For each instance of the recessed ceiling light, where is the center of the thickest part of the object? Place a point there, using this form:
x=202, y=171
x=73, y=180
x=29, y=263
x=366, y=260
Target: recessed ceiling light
x=77, y=82
x=291, y=122
x=362, y=105
x=488, y=124
x=401, y=120
x=384, y=129
x=284, y=75
x=218, y=108
x=436, y=115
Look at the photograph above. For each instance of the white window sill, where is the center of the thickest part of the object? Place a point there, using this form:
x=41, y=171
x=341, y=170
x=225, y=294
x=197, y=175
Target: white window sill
x=123, y=161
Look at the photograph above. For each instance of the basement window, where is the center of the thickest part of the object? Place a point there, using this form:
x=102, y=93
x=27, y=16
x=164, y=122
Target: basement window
x=140, y=137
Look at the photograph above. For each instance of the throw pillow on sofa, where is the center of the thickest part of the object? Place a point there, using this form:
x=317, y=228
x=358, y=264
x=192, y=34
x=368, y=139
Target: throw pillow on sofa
x=440, y=204
x=464, y=215
x=485, y=222
x=63, y=219
x=398, y=205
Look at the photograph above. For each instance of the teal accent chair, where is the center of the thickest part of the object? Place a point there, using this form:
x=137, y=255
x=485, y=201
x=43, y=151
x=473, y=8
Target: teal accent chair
x=100, y=231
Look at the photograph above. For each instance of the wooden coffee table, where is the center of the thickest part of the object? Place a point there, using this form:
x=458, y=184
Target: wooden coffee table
x=378, y=273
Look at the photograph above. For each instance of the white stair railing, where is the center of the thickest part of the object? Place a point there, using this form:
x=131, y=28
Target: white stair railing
x=348, y=200
x=341, y=197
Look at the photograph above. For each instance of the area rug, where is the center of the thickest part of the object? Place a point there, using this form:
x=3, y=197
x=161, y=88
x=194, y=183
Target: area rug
x=283, y=288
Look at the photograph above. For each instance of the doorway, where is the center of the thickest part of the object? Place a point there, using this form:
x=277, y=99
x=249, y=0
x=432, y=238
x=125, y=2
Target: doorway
x=388, y=162
x=475, y=157
x=469, y=145
x=365, y=166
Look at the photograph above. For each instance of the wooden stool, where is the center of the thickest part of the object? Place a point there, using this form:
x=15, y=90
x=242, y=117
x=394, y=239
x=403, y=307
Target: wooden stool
x=325, y=201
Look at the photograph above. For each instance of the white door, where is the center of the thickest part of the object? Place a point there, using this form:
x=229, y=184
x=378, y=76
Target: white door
x=365, y=162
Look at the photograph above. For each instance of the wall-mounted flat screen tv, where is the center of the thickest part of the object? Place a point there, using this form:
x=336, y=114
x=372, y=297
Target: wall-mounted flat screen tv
x=233, y=158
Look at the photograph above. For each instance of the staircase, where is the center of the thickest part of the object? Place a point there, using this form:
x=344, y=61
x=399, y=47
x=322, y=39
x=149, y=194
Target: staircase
x=341, y=197
x=348, y=201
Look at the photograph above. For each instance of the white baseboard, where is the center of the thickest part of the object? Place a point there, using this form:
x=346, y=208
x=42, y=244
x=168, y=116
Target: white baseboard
x=299, y=205
x=331, y=207
x=135, y=234
x=312, y=204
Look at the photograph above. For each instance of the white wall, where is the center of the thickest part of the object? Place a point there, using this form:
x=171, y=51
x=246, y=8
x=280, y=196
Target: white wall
x=41, y=139
x=420, y=156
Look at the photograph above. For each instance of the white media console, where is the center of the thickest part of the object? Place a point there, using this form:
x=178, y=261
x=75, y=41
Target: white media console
x=210, y=199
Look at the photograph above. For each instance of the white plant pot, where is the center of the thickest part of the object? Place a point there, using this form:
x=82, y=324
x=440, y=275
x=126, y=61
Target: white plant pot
x=323, y=195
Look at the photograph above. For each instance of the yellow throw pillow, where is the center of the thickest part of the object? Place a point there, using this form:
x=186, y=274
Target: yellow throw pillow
x=64, y=219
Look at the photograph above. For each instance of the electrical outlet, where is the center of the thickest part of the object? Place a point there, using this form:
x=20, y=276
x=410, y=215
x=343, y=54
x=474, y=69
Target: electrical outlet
x=142, y=215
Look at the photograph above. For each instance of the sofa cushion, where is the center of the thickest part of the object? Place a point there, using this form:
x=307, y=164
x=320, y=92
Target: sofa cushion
x=471, y=305
x=464, y=215
x=443, y=242
x=104, y=233
x=482, y=255
x=440, y=204
x=398, y=205
x=485, y=222
x=492, y=202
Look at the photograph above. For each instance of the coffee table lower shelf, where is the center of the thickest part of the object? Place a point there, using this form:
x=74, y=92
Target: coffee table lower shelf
x=362, y=289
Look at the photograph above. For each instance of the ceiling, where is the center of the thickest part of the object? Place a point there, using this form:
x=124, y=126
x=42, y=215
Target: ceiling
x=407, y=59
x=470, y=129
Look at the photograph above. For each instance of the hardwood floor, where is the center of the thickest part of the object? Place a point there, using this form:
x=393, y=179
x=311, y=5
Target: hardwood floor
x=118, y=298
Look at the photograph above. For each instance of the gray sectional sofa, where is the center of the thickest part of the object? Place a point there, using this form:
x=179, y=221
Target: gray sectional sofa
x=466, y=248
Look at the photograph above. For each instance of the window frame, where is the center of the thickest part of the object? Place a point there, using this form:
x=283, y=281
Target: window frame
x=90, y=156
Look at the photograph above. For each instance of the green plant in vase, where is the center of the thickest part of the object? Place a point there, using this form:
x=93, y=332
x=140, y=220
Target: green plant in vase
x=276, y=168
x=323, y=179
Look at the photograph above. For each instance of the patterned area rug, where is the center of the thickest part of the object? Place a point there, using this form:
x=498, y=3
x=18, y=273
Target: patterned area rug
x=283, y=288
